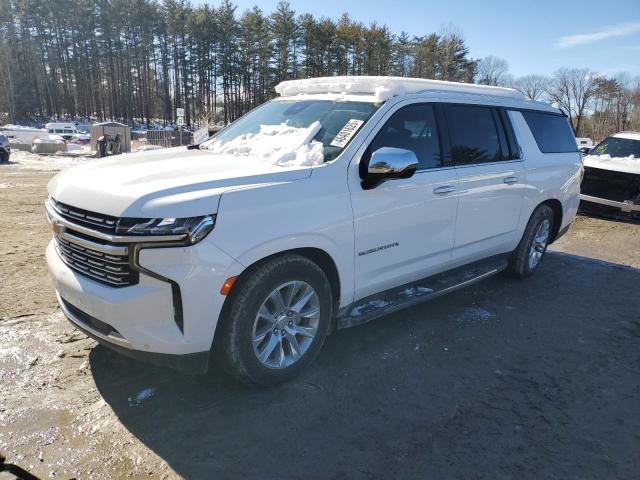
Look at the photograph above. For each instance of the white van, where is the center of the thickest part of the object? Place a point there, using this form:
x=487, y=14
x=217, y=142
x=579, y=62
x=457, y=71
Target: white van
x=344, y=199
x=65, y=130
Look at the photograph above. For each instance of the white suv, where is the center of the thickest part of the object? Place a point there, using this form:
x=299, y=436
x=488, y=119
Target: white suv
x=342, y=200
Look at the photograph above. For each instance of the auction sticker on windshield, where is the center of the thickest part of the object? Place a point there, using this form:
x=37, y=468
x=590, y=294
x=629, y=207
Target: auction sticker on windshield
x=348, y=131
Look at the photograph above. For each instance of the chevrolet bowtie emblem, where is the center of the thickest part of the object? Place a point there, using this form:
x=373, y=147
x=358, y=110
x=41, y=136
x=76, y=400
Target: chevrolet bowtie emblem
x=57, y=227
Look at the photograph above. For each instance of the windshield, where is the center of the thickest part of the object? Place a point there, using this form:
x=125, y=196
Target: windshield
x=299, y=126
x=618, y=147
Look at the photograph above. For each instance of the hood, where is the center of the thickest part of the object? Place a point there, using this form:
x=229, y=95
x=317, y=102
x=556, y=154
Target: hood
x=617, y=164
x=173, y=182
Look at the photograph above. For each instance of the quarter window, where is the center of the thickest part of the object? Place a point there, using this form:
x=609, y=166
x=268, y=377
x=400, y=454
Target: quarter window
x=552, y=132
x=412, y=128
x=473, y=135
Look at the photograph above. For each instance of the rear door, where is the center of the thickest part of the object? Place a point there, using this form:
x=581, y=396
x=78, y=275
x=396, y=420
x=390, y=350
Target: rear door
x=404, y=228
x=490, y=180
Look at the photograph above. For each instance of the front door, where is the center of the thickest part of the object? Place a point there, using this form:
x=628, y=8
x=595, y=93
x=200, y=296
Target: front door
x=404, y=228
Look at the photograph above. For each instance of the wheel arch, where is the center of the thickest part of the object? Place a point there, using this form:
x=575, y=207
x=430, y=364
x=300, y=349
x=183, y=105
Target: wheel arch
x=317, y=255
x=556, y=207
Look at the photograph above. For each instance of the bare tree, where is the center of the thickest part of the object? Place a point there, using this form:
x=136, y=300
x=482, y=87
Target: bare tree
x=534, y=87
x=572, y=89
x=493, y=71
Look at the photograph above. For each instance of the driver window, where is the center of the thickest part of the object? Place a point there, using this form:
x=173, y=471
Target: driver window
x=412, y=128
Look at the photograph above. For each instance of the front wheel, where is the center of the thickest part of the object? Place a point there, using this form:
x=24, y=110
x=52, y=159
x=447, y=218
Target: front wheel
x=527, y=257
x=277, y=319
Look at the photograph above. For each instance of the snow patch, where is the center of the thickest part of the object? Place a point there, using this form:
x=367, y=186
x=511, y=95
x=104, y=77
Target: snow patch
x=413, y=291
x=146, y=148
x=141, y=396
x=281, y=145
x=367, y=307
x=33, y=161
x=50, y=139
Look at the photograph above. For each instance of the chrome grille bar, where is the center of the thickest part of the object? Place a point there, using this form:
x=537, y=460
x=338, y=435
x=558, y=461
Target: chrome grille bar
x=90, y=259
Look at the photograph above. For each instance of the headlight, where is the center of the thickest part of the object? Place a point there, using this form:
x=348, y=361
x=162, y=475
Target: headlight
x=196, y=228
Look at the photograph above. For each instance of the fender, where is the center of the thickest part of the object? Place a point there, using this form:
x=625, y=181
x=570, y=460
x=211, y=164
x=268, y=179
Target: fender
x=323, y=221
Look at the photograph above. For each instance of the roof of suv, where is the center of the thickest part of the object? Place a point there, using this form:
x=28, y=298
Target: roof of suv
x=383, y=88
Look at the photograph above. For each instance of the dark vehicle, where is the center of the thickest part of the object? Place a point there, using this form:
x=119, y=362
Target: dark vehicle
x=611, y=181
x=5, y=149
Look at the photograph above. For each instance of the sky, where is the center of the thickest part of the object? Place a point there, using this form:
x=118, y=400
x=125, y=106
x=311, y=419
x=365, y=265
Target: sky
x=534, y=36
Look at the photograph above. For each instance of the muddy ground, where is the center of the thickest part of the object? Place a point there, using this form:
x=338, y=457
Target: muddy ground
x=526, y=379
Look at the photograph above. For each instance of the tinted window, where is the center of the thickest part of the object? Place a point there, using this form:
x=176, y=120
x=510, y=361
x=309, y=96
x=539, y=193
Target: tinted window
x=474, y=135
x=412, y=128
x=552, y=132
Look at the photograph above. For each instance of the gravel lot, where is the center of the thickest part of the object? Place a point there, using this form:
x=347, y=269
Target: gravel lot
x=507, y=379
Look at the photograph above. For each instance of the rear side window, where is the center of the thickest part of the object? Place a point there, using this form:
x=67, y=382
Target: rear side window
x=412, y=128
x=552, y=132
x=474, y=135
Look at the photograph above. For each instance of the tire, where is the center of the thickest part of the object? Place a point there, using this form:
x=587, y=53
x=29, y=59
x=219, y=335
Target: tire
x=241, y=325
x=523, y=262
x=4, y=157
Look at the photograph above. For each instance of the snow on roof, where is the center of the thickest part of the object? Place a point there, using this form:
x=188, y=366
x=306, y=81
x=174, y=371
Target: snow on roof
x=386, y=87
x=628, y=135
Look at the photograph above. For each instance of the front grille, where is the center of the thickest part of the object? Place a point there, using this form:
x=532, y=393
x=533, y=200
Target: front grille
x=610, y=185
x=113, y=270
x=97, y=221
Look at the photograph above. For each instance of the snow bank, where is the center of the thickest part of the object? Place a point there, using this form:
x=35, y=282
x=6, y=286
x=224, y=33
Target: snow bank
x=50, y=139
x=383, y=88
x=33, y=161
x=277, y=144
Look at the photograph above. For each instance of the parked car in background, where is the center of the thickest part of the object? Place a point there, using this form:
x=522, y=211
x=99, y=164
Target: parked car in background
x=345, y=199
x=584, y=144
x=66, y=129
x=612, y=175
x=5, y=149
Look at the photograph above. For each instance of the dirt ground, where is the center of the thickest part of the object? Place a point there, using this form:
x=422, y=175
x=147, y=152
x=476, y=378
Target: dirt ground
x=507, y=379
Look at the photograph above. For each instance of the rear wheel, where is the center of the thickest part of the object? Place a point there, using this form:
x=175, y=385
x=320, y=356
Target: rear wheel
x=4, y=157
x=531, y=249
x=277, y=319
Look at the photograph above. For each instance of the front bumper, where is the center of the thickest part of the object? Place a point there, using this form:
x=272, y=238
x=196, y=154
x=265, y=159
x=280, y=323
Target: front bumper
x=626, y=206
x=191, y=363
x=139, y=320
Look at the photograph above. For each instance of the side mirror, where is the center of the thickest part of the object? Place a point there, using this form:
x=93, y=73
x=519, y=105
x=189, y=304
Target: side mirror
x=389, y=163
x=584, y=150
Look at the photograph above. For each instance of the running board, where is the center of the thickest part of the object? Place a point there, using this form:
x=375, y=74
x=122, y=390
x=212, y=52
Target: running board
x=414, y=293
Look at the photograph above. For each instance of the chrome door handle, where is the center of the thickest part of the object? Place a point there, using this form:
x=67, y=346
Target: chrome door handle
x=510, y=180
x=444, y=189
